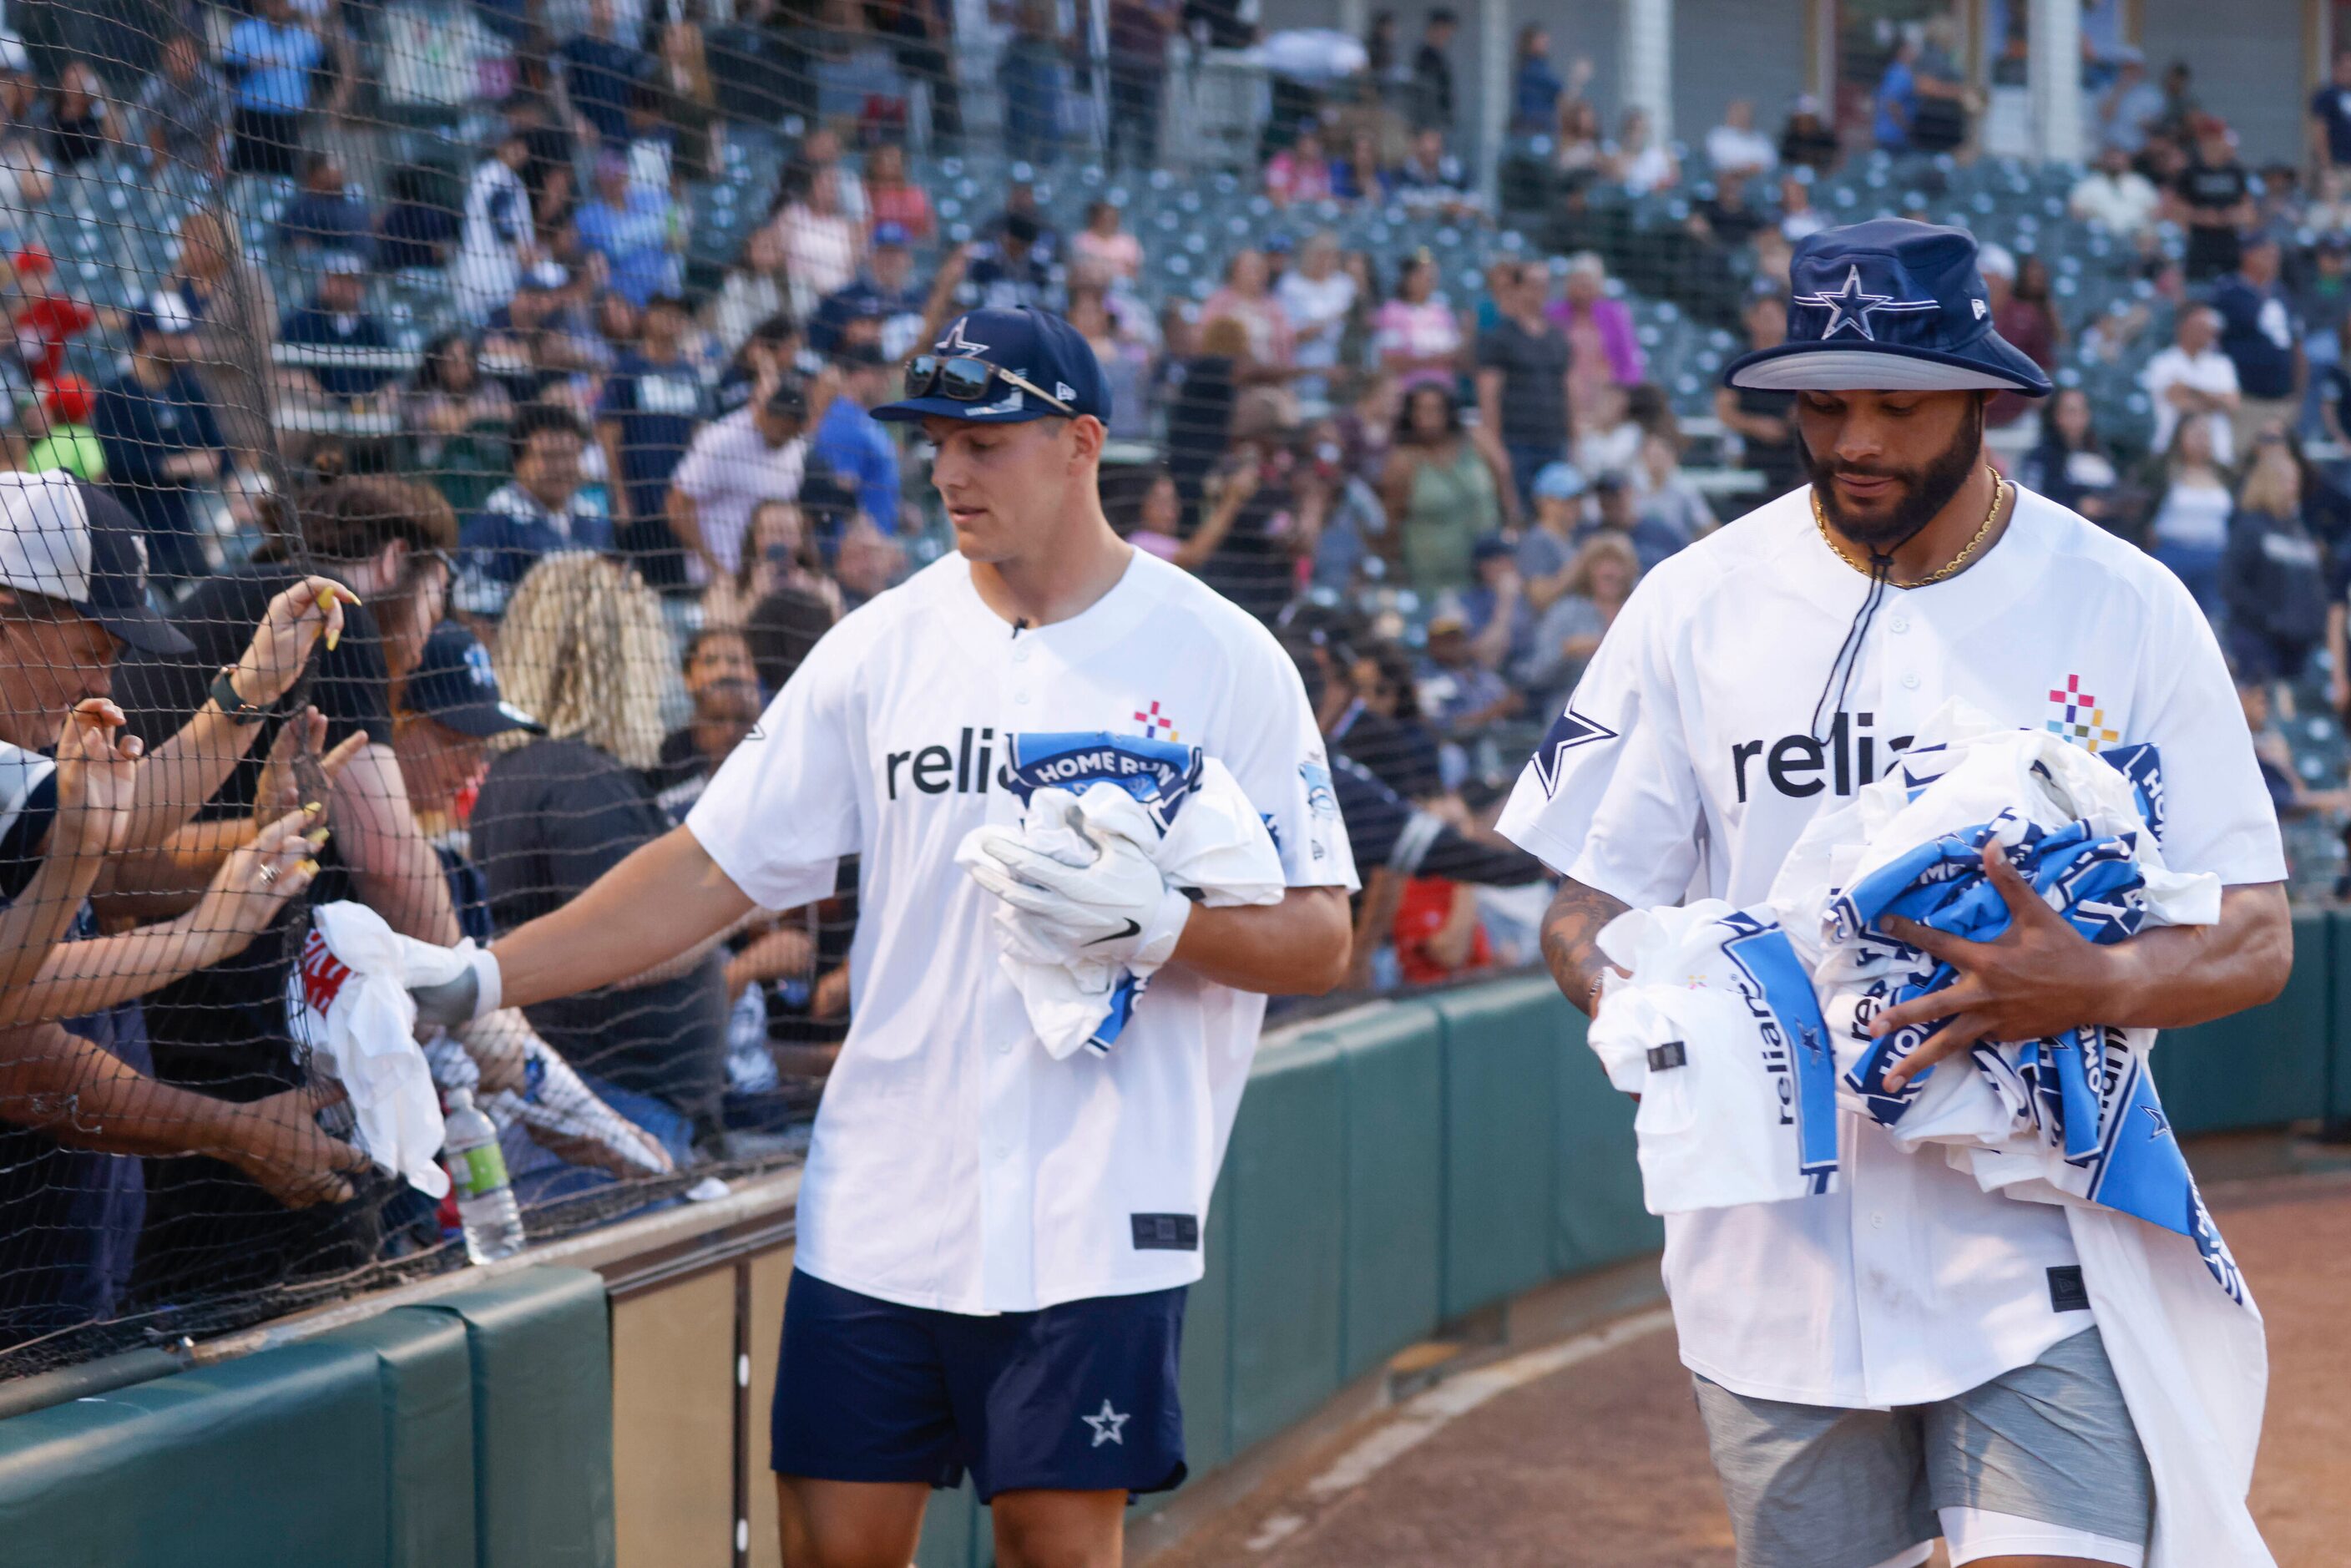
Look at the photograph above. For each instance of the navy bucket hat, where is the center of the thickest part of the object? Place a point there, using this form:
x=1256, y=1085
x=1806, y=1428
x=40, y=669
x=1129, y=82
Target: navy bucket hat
x=1009, y=366
x=1889, y=305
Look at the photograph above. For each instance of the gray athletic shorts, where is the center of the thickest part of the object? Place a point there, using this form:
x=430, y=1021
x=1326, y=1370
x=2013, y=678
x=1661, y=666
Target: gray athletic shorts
x=2042, y=1460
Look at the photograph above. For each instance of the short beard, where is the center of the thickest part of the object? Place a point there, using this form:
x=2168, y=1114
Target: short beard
x=1924, y=491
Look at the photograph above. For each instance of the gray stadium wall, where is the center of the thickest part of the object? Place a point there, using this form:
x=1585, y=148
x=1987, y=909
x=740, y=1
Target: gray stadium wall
x=1393, y=1167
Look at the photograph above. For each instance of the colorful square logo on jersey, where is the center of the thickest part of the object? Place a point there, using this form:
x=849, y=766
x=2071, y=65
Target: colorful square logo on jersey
x=1156, y=725
x=2078, y=717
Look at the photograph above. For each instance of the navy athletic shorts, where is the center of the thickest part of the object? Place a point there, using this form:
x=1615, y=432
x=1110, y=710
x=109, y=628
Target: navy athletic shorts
x=1077, y=1397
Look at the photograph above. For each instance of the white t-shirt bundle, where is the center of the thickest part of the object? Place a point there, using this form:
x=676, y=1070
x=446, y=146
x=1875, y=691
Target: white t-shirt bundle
x=1716, y=1029
x=1183, y=809
x=347, y=1000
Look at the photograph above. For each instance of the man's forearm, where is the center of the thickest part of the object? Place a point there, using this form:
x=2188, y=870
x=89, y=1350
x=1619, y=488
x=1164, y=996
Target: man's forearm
x=1296, y=948
x=86, y=1097
x=1571, y=940
x=37, y=919
x=2176, y=975
x=666, y=898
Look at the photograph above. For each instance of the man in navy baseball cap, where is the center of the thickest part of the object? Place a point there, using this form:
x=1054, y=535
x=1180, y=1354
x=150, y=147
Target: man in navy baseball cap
x=1004, y=367
x=68, y=541
x=1016, y=405
x=454, y=683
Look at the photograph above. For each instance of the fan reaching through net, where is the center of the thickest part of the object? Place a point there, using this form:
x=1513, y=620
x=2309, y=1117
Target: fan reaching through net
x=431, y=433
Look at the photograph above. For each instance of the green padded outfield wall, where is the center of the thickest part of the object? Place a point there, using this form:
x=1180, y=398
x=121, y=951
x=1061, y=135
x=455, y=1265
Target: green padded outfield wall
x=1392, y=1168
x=474, y=1432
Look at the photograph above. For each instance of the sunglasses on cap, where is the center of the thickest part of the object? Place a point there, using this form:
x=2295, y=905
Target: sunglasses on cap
x=961, y=379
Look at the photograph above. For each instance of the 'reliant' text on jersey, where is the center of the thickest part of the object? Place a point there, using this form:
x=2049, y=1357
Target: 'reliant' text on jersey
x=954, y=1164
x=1686, y=763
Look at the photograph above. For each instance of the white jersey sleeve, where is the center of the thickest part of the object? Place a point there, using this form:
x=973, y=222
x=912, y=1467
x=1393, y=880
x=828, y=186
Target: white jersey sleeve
x=783, y=808
x=1610, y=798
x=1277, y=755
x=2217, y=814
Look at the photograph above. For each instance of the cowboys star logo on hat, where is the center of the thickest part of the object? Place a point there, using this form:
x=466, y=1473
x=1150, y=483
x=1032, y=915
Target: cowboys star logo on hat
x=1889, y=305
x=1852, y=305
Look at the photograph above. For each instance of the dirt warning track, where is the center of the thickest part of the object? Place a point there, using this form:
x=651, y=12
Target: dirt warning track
x=1589, y=1451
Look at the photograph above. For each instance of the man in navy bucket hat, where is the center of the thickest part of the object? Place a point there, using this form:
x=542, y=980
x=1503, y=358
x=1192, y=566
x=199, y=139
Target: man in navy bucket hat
x=1908, y=1355
x=995, y=1240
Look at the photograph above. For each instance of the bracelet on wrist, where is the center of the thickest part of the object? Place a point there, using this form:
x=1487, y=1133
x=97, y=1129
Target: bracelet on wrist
x=232, y=706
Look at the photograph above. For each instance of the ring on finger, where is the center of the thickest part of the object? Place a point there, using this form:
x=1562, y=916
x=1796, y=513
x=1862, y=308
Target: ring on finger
x=267, y=875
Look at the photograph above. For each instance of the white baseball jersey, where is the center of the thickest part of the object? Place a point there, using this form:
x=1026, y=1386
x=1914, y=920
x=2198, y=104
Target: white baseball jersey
x=1684, y=764
x=955, y=1164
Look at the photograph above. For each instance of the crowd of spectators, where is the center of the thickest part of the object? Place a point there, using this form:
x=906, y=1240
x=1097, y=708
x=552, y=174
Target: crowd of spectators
x=638, y=490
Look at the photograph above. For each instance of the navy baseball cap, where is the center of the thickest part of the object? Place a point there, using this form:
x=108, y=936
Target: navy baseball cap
x=65, y=540
x=454, y=682
x=165, y=314
x=1890, y=305
x=1062, y=378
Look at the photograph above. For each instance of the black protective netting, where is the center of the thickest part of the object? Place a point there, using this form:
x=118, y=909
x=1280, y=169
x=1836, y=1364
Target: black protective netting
x=549, y=327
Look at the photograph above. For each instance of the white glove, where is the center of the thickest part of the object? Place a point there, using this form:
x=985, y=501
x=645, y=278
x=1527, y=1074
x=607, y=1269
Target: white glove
x=1115, y=909
x=471, y=996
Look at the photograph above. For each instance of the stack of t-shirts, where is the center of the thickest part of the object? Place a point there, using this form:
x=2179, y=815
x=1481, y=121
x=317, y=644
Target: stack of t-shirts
x=1716, y=1029
x=2077, y=1112
x=2072, y=1121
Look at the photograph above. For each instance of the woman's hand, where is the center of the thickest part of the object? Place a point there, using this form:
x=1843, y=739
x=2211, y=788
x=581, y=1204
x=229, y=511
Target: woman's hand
x=253, y=885
x=499, y=1044
x=97, y=779
x=830, y=999
x=279, y=790
x=289, y=629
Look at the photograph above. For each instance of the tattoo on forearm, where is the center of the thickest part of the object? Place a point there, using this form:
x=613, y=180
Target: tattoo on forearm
x=1570, y=939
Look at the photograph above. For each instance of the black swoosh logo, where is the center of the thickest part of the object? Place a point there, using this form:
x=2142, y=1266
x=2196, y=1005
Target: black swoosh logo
x=1134, y=927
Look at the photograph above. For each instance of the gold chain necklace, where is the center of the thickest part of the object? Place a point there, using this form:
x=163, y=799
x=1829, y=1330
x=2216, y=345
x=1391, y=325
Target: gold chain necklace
x=1958, y=563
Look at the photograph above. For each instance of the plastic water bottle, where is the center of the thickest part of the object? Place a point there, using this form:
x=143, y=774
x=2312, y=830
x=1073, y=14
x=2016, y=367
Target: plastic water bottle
x=477, y=1170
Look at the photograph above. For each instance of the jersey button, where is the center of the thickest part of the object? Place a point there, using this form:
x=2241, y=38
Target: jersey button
x=1877, y=1222
x=1900, y=624
x=1019, y=656
x=1909, y=683
x=1022, y=699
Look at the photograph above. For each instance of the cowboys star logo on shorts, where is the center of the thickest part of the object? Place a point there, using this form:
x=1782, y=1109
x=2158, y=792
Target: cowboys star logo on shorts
x=1853, y=305
x=1106, y=1426
x=1568, y=731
